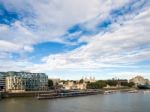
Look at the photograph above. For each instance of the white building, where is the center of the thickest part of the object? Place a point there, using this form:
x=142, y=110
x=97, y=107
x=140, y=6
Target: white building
x=71, y=85
x=89, y=79
x=81, y=86
x=138, y=80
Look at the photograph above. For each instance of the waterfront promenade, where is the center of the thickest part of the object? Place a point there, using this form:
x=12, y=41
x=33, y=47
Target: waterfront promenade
x=61, y=93
x=26, y=93
x=51, y=93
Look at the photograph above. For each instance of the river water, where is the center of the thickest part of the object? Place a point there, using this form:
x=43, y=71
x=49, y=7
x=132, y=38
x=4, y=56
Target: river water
x=118, y=102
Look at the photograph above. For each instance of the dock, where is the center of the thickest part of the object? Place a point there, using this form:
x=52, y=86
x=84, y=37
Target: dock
x=68, y=94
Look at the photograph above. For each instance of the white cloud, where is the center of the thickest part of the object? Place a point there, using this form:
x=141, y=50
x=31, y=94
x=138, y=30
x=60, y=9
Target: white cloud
x=7, y=46
x=120, y=48
x=129, y=75
x=12, y=65
x=52, y=18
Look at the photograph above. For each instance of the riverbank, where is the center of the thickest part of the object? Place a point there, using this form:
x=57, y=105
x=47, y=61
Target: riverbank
x=50, y=94
x=62, y=93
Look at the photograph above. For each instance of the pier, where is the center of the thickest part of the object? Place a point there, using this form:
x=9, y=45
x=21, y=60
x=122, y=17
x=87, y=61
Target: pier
x=65, y=94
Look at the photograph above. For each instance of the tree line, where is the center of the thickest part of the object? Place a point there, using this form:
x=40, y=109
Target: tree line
x=103, y=83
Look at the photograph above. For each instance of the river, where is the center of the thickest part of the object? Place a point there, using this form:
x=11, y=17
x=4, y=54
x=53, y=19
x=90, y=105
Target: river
x=118, y=102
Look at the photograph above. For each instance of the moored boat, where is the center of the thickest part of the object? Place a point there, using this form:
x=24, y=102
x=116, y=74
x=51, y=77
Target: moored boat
x=144, y=86
x=146, y=92
x=68, y=94
x=133, y=91
x=109, y=92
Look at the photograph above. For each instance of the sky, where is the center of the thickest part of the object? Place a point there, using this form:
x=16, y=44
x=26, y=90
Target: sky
x=69, y=39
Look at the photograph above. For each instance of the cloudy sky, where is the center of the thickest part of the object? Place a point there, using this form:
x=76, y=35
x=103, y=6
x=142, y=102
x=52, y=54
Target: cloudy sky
x=74, y=38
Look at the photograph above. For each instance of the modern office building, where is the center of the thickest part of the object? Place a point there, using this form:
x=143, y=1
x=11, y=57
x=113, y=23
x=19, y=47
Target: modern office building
x=26, y=81
x=2, y=81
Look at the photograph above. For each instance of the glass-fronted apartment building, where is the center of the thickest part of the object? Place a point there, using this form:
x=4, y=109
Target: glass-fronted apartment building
x=26, y=81
x=2, y=81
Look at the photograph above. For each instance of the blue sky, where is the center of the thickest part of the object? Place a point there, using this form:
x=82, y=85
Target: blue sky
x=71, y=39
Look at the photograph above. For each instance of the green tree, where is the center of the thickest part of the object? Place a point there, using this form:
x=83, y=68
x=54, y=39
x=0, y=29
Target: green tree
x=81, y=81
x=75, y=82
x=102, y=83
x=96, y=85
x=112, y=82
x=50, y=83
x=131, y=84
x=124, y=83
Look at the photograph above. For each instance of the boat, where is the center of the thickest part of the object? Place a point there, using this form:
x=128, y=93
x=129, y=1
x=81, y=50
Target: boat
x=108, y=92
x=144, y=86
x=146, y=92
x=68, y=94
x=133, y=91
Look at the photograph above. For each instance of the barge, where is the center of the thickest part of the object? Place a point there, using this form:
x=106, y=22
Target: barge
x=144, y=86
x=68, y=94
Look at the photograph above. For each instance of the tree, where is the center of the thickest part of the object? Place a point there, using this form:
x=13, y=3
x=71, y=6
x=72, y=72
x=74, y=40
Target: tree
x=50, y=83
x=124, y=83
x=81, y=81
x=102, y=83
x=75, y=82
x=112, y=82
x=96, y=85
x=92, y=85
x=131, y=84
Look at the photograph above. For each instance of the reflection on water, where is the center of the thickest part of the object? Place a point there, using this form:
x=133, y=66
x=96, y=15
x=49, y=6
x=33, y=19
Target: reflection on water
x=119, y=102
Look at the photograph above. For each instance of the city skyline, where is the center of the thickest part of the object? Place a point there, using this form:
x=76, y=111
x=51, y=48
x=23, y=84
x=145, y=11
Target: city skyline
x=71, y=39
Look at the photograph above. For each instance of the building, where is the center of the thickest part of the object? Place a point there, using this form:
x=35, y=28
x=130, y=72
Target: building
x=69, y=85
x=82, y=86
x=73, y=85
x=89, y=79
x=2, y=81
x=138, y=80
x=26, y=81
